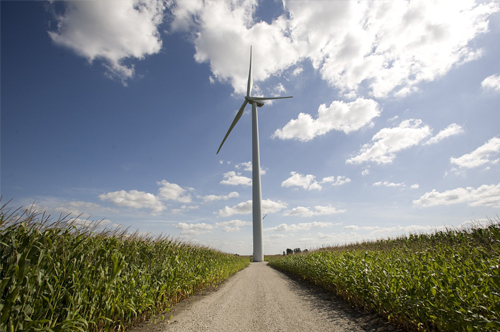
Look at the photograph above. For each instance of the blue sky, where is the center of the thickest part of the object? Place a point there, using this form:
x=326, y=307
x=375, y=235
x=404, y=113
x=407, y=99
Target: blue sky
x=114, y=110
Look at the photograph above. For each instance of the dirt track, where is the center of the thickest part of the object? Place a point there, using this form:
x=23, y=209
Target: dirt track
x=260, y=298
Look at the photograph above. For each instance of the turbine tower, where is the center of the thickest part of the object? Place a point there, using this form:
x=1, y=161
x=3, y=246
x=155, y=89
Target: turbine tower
x=258, y=250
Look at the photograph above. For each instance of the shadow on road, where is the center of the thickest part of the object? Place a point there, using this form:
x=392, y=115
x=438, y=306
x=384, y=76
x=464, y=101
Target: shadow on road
x=334, y=308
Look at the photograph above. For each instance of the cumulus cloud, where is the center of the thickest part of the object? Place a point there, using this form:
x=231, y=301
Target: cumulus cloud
x=491, y=83
x=232, y=225
x=451, y=130
x=367, y=228
x=236, y=179
x=194, y=229
x=247, y=166
x=134, y=199
x=143, y=200
x=485, y=195
x=105, y=223
x=481, y=156
x=112, y=31
x=172, y=191
x=391, y=46
x=300, y=227
x=308, y=181
x=80, y=207
x=268, y=206
x=211, y=198
x=388, y=141
x=318, y=211
x=340, y=180
x=341, y=116
x=382, y=47
x=185, y=208
x=81, y=212
x=225, y=30
x=304, y=181
x=388, y=184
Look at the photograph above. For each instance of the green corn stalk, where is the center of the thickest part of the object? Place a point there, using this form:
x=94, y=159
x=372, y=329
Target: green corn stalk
x=55, y=276
x=446, y=281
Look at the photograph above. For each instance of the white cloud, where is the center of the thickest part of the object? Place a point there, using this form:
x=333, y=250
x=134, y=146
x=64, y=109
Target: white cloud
x=172, y=191
x=268, y=206
x=113, y=31
x=232, y=225
x=82, y=210
x=194, y=229
x=451, y=130
x=247, y=166
x=185, y=208
x=415, y=186
x=485, y=195
x=134, y=199
x=340, y=180
x=308, y=181
x=388, y=184
x=391, y=46
x=79, y=207
x=341, y=116
x=491, y=83
x=279, y=89
x=142, y=200
x=105, y=223
x=225, y=30
x=367, y=228
x=236, y=179
x=300, y=227
x=305, y=181
x=307, y=212
x=388, y=141
x=481, y=156
x=378, y=46
x=211, y=198
x=297, y=71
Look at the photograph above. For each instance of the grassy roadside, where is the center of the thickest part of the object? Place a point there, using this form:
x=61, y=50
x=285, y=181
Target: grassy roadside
x=56, y=276
x=446, y=281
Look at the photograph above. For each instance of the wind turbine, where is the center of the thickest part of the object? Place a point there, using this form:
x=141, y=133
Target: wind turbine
x=258, y=250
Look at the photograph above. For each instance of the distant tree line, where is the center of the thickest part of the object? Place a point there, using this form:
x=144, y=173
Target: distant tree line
x=294, y=251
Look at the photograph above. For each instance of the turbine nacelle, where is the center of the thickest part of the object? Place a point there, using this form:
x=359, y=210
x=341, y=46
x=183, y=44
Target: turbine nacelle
x=259, y=103
x=260, y=100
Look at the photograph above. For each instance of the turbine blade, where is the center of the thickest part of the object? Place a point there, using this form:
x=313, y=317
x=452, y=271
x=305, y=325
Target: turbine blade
x=250, y=76
x=267, y=98
x=236, y=119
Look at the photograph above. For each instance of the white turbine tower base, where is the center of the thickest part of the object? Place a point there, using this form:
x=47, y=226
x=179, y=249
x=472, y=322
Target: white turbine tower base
x=258, y=247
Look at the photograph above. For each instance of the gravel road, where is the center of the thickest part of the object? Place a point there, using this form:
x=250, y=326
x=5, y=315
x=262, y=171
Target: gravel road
x=259, y=298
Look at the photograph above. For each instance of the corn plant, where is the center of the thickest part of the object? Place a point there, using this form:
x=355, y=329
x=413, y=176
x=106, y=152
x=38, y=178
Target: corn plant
x=56, y=276
x=446, y=281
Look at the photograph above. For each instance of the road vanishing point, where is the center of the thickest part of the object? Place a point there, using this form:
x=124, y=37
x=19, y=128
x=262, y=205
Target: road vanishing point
x=259, y=298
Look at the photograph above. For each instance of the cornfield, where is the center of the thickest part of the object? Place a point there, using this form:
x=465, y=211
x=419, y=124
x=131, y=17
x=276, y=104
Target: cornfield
x=446, y=281
x=56, y=276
